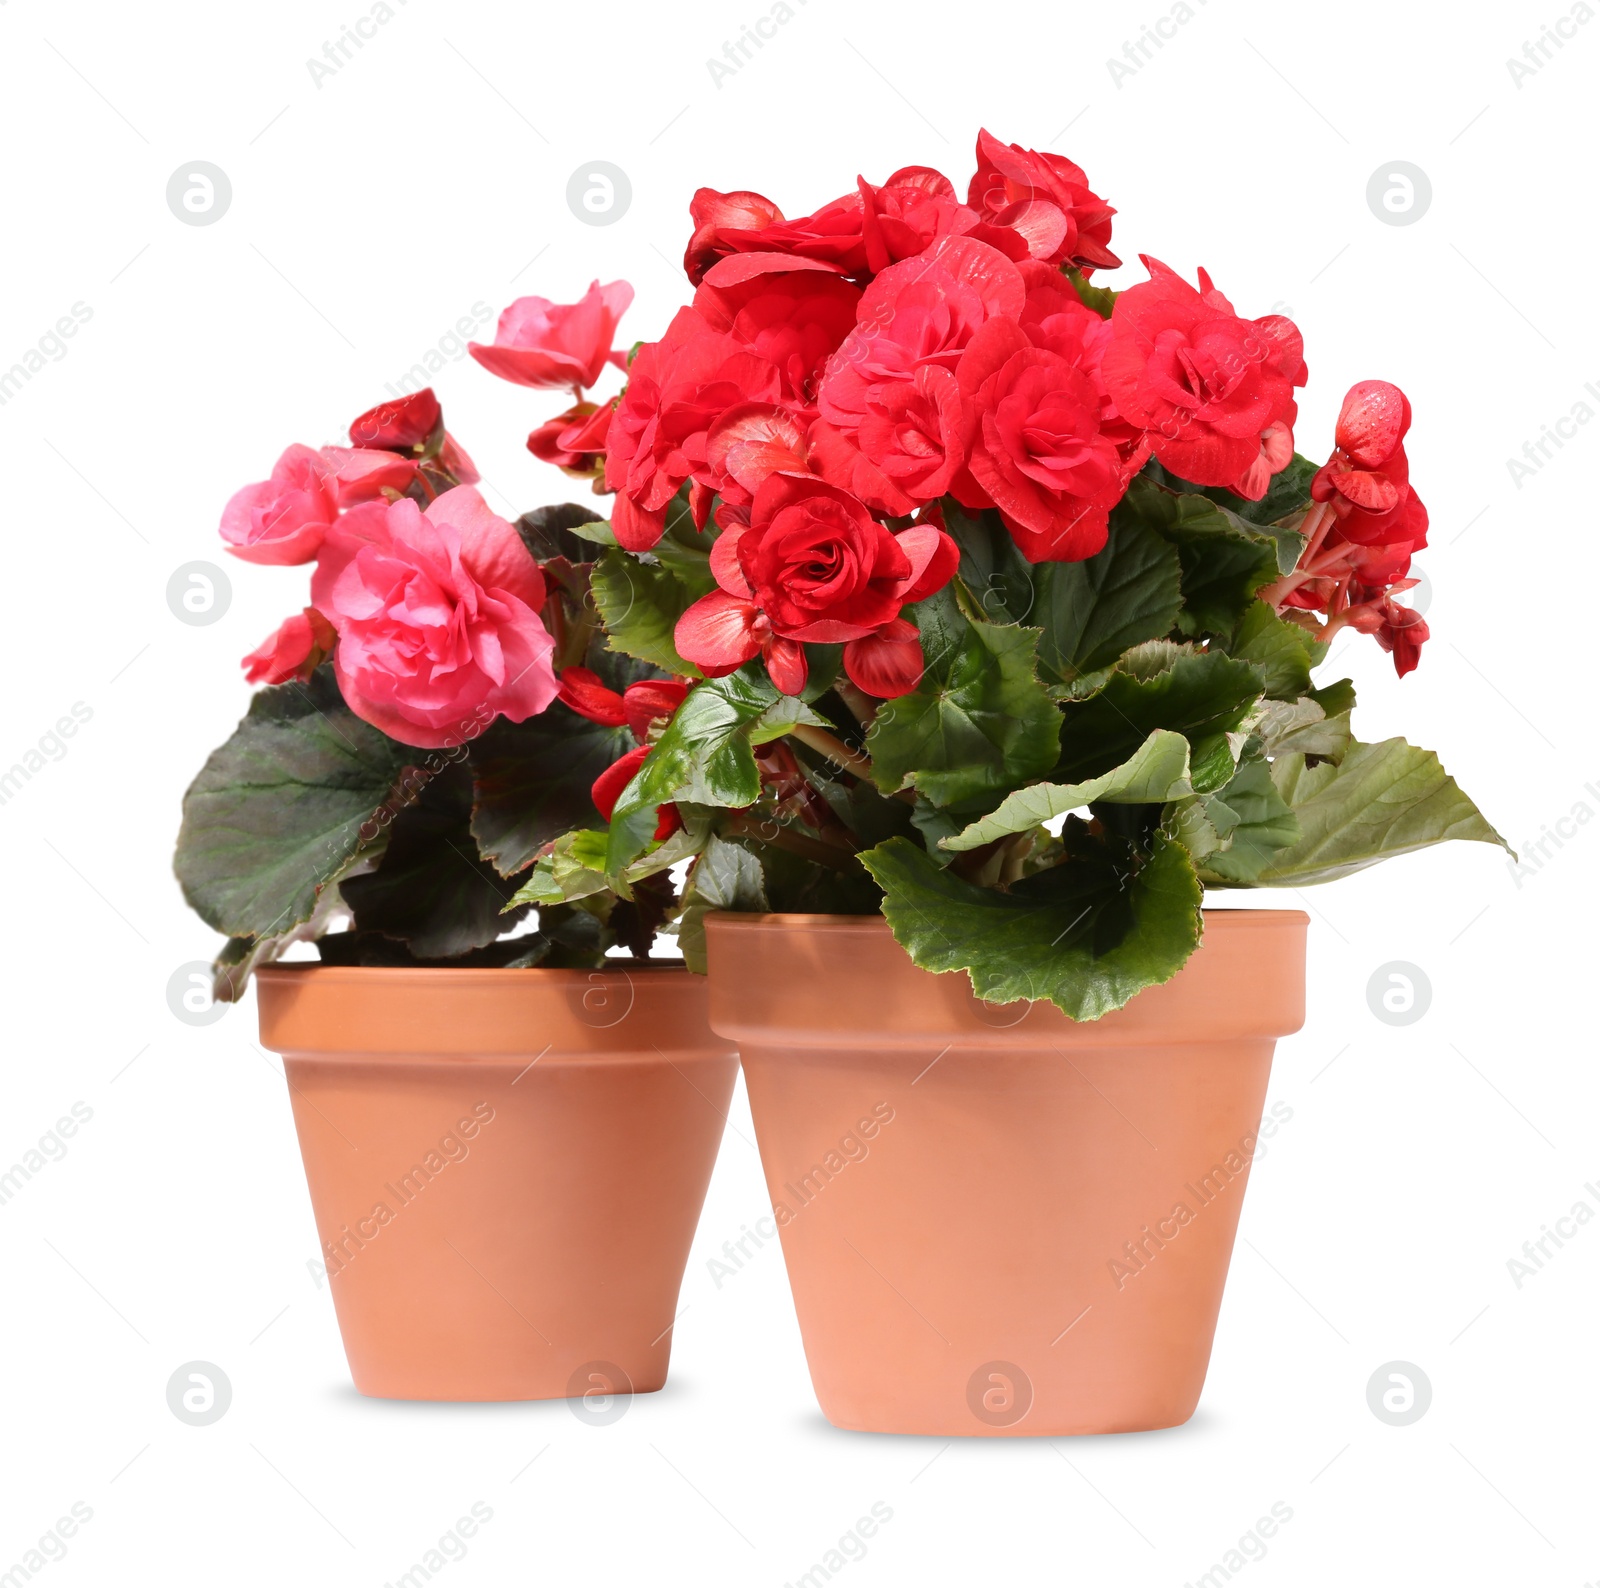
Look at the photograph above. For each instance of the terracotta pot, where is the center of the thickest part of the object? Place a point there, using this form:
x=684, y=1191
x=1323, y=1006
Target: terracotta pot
x=995, y=1220
x=506, y=1168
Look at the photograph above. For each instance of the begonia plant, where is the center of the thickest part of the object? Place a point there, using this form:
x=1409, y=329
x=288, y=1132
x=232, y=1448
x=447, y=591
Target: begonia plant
x=923, y=575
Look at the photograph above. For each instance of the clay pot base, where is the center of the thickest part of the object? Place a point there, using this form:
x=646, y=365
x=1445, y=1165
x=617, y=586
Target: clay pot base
x=506, y=1168
x=998, y=1222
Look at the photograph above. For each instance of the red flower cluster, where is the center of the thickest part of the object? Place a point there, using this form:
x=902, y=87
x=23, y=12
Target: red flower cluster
x=813, y=564
x=836, y=375
x=1211, y=395
x=843, y=371
x=1367, y=525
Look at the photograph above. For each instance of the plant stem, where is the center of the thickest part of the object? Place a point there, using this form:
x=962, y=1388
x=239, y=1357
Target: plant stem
x=1315, y=526
x=834, y=748
x=834, y=856
x=860, y=705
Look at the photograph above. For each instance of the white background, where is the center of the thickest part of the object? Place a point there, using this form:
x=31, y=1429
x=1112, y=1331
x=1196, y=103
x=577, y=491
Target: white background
x=429, y=174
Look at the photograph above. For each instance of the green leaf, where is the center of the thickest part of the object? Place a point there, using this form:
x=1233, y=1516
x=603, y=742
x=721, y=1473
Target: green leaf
x=1157, y=772
x=279, y=811
x=531, y=782
x=1380, y=800
x=705, y=755
x=1285, y=651
x=640, y=604
x=563, y=531
x=1224, y=559
x=684, y=844
x=573, y=869
x=1200, y=694
x=1335, y=698
x=1302, y=727
x=978, y=724
x=1092, y=611
x=686, y=551
x=432, y=891
x=1086, y=934
x=1288, y=493
x=1212, y=761
x=727, y=876
x=1253, y=822
x=997, y=576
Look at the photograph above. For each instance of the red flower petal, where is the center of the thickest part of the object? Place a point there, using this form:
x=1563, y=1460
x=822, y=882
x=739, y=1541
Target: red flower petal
x=636, y=528
x=733, y=269
x=754, y=440
x=582, y=690
x=717, y=633
x=786, y=665
x=725, y=567
x=841, y=462
x=886, y=664
x=398, y=426
x=1372, y=422
x=607, y=788
x=700, y=499
x=649, y=701
x=1375, y=492
x=934, y=558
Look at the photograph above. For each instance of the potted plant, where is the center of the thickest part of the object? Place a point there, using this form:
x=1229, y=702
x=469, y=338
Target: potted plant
x=508, y=1112
x=1003, y=595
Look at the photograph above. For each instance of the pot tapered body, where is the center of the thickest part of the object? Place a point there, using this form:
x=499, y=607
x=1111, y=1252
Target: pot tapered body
x=506, y=1168
x=997, y=1221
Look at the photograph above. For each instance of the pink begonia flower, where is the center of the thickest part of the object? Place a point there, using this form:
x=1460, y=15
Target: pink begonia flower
x=300, y=646
x=438, y=618
x=361, y=474
x=282, y=520
x=557, y=345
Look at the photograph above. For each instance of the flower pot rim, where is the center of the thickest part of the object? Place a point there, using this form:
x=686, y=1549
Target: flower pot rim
x=874, y=923
x=406, y=1014
x=462, y=975
x=1245, y=981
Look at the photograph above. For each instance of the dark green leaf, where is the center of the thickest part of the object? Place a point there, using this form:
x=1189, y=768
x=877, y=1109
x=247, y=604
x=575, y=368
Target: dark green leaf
x=432, y=891
x=705, y=755
x=1157, y=771
x=635, y=920
x=998, y=577
x=1224, y=559
x=547, y=532
x=1380, y=800
x=1336, y=697
x=686, y=551
x=1285, y=651
x=1198, y=695
x=1289, y=492
x=1254, y=823
x=531, y=782
x=978, y=724
x=640, y=604
x=1091, y=612
x=1086, y=934
x=281, y=809
x=726, y=876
